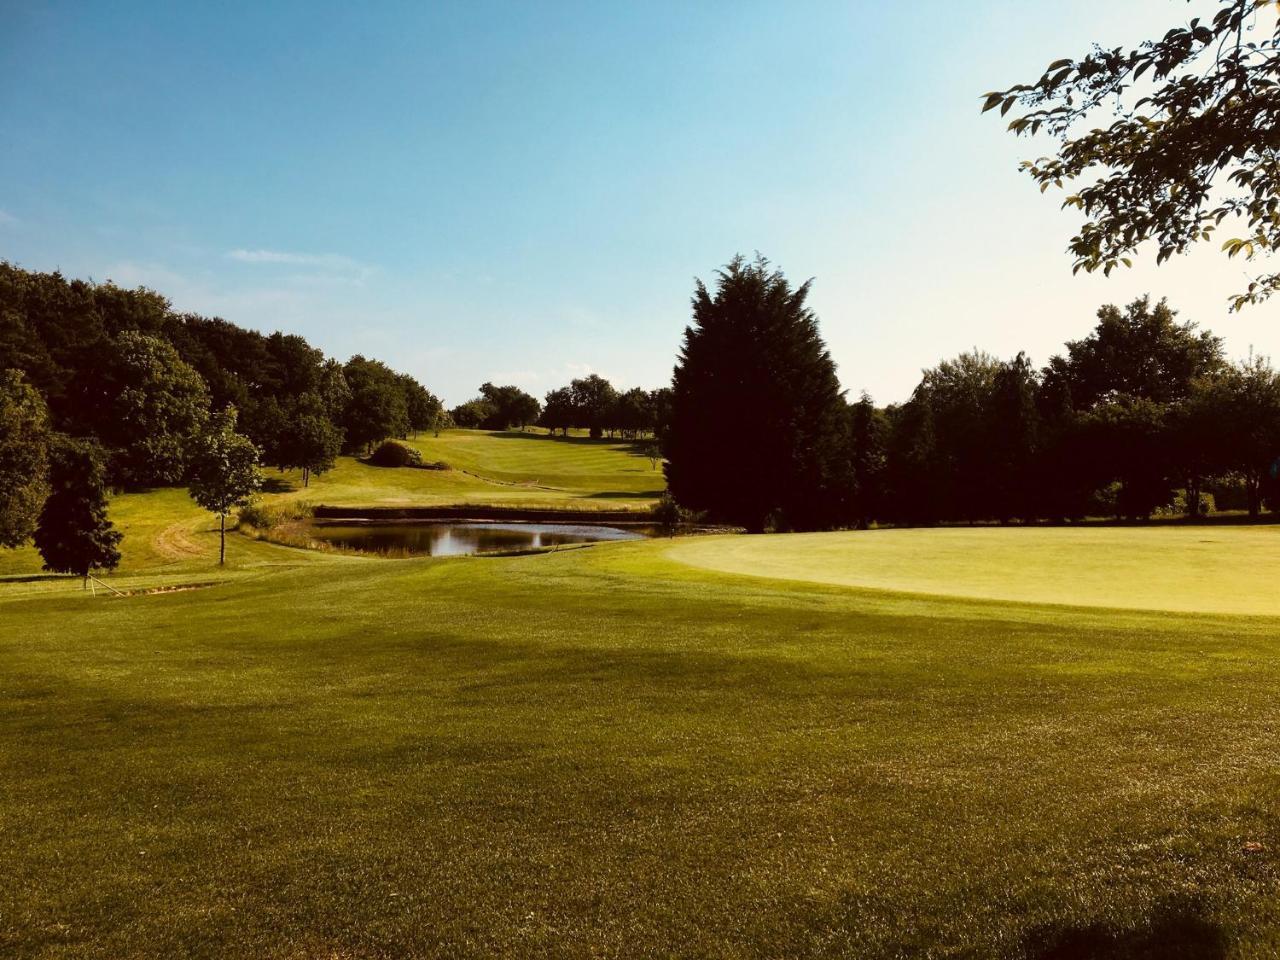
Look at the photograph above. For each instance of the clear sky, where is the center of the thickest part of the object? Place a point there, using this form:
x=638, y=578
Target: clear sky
x=524, y=192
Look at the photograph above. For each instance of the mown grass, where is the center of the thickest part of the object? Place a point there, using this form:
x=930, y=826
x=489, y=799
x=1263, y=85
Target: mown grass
x=612, y=752
x=497, y=469
x=1220, y=569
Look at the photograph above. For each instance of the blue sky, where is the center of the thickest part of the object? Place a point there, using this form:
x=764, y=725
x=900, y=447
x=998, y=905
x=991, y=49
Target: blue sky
x=524, y=192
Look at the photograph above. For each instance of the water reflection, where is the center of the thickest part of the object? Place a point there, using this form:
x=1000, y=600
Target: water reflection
x=452, y=539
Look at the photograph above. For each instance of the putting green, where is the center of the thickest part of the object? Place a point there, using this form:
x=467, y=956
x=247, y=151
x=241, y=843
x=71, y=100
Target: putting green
x=1185, y=569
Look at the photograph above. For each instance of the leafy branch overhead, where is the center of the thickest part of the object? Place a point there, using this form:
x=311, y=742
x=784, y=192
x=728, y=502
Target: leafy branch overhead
x=1192, y=142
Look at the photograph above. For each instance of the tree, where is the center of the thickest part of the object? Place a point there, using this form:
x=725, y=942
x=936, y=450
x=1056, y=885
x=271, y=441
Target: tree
x=154, y=405
x=500, y=408
x=868, y=441
x=758, y=426
x=73, y=534
x=1190, y=143
x=421, y=406
x=473, y=414
x=377, y=408
x=633, y=413
x=315, y=445
x=593, y=400
x=558, y=411
x=1141, y=351
x=224, y=471
x=1236, y=422
x=24, y=457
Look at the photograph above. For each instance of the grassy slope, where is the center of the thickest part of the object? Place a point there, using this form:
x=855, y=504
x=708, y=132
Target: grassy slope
x=500, y=469
x=608, y=751
x=1221, y=569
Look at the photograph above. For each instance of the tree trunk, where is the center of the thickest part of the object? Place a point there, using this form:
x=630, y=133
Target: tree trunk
x=222, y=530
x=306, y=476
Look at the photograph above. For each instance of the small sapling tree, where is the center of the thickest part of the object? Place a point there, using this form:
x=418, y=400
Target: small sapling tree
x=73, y=534
x=224, y=471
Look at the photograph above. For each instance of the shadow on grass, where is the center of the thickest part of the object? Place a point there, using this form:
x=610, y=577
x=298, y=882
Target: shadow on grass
x=277, y=485
x=1175, y=931
x=624, y=494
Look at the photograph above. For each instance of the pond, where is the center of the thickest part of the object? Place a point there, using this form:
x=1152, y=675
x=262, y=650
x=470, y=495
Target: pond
x=455, y=539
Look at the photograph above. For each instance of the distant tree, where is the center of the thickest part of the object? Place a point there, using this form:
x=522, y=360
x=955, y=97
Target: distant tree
x=334, y=391
x=377, y=408
x=1126, y=440
x=473, y=414
x=443, y=420
x=633, y=413
x=593, y=400
x=315, y=445
x=1237, y=424
x=1011, y=443
x=421, y=406
x=155, y=405
x=558, y=411
x=224, y=471
x=506, y=407
x=868, y=448
x=73, y=534
x=753, y=363
x=660, y=411
x=1141, y=351
x=654, y=452
x=1189, y=143
x=24, y=457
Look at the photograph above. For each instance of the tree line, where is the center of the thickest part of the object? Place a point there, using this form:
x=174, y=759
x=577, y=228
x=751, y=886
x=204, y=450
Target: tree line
x=1143, y=415
x=590, y=403
x=102, y=387
x=123, y=368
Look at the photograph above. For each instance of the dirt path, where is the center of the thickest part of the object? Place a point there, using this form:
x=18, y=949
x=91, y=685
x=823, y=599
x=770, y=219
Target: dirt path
x=177, y=542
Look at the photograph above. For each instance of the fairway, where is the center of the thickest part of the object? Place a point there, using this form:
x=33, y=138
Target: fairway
x=1219, y=569
x=488, y=468
x=605, y=752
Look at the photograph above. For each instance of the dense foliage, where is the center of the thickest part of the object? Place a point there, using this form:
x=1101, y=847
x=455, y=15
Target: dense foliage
x=73, y=534
x=1190, y=143
x=24, y=457
x=122, y=367
x=758, y=433
x=592, y=403
x=1141, y=416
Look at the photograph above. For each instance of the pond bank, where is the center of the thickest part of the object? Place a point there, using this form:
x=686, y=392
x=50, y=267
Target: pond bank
x=481, y=514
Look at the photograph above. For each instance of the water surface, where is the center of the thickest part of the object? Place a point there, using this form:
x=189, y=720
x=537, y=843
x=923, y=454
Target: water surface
x=454, y=538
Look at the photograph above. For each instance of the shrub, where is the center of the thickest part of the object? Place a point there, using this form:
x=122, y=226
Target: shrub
x=669, y=517
x=393, y=453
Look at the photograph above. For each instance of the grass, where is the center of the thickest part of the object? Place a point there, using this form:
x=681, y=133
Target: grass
x=613, y=752
x=1219, y=569
x=497, y=469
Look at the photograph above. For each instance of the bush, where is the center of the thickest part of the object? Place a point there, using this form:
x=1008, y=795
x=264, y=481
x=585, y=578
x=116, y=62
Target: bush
x=393, y=453
x=669, y=517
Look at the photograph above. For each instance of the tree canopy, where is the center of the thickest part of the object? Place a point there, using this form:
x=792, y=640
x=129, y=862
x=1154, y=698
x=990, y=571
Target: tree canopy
x=1194, y=125
x=73, y=534
x=24, y=457
x=758, y=423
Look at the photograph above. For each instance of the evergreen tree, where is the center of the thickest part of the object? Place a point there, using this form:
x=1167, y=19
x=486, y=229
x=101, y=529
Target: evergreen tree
x=73, y=534
x=758, y=428
x=868, y=437
x=24, y=457
x=224, y=471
